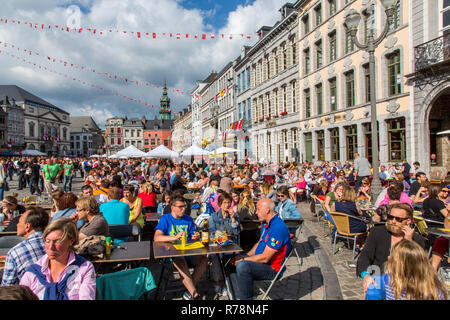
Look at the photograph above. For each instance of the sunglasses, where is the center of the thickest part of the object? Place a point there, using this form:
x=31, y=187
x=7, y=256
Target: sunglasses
x=281, y=196
x=391, y=217
x=445, y=191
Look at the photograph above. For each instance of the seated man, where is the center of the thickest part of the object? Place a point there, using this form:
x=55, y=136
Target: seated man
x=101, y=194
x=383, y=237
x=267, y=256
x=31, y=225
x=114, y=211
x=172, y=227
x=86, y=191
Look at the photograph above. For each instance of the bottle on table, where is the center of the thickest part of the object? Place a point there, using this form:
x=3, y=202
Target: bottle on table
x=108, y=246
x=205, y=233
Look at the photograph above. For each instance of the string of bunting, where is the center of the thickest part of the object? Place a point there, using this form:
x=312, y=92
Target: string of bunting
x=87, y=69
x=82, y=82
x=138, y=34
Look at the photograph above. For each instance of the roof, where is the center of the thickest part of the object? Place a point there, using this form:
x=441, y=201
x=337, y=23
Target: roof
x=83, y=122
x=19, y=94
x=166, y=124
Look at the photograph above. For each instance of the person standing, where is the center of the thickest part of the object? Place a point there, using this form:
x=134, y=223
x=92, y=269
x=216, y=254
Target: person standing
x=51, y=172
x=2, y=178
x=22, y=166
x=68, y=175
x=34, y=177
x=361, y=171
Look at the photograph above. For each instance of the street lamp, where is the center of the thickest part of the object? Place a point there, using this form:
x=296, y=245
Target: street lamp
x=352, y=20
x=214, y=121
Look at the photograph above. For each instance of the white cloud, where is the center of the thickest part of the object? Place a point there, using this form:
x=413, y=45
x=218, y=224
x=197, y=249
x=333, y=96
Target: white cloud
x=180, y=62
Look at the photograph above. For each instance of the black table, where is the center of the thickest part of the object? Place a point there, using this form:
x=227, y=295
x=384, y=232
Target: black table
x=166, y=250
x=127, y=252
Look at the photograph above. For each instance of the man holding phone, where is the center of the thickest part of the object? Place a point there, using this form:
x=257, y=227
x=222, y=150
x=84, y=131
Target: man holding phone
x=382, y=238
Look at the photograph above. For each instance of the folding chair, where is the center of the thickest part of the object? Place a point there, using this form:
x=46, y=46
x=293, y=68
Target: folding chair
x=124, y=230
x=290, y=223
x=300, y=195
x=342, y=222
x=134, y=284
x=319, y=206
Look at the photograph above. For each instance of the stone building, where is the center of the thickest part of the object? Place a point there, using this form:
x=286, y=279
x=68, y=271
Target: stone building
x=114, y=135
x=85, y=137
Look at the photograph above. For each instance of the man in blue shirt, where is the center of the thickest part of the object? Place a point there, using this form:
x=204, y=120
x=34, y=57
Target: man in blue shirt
x=172, y=227
x=30, y=226
x=115, y=212
x=267, y=256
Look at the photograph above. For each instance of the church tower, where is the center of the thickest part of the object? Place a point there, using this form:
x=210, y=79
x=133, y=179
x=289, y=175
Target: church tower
x=164, y=112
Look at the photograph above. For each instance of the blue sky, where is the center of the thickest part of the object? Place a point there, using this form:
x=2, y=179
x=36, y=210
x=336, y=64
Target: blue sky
x=180, y=62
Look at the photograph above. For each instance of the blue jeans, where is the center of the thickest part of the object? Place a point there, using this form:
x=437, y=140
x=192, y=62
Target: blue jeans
x=2, y=189
x=246, y=273
x=67, y=181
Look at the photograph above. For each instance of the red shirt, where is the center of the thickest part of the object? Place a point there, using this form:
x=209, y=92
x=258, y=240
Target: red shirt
x=148, y=200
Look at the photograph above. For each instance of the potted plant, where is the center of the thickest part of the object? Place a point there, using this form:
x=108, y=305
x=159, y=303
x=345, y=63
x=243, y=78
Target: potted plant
x=261, y=119
x=268, y=118
x=283, y=113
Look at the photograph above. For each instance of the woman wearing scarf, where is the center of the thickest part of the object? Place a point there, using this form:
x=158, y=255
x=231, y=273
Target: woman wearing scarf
x=61, y=274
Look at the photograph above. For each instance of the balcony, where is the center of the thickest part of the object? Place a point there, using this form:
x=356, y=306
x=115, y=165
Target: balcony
x=431, y=53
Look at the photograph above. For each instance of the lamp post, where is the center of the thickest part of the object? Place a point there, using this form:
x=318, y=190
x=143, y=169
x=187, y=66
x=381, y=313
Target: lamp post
x=352, y=20
x=214, y=121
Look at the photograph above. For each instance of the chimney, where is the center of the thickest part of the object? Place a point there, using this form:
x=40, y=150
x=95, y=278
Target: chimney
x=263, y=31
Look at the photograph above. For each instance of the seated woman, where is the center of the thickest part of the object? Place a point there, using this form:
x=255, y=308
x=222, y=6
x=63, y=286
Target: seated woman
x=364, y=190
x=91, y=178
x=286, y=209
x=147, y=195
x=61, y=274
x=164, y=206
x=267, y=191
x=56, y=195
x=88, y=210
x=246, y=211
x=399, y=176
x=135, y=205
x=434, y=207
x=300, y=183
x=348, y=205
x=11, y=212
x=408, y=264
x=67, y=207
x=320, y=192
x=399, y=188
x=334, y=196
x=223, y=220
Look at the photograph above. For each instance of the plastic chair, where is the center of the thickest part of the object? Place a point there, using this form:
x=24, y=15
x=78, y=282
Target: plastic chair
x=131, y=284
x=124, y=230
x=290, y=223
x=342, y=222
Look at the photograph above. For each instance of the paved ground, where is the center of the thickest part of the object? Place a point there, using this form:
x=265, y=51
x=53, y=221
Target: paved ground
x=322, y=275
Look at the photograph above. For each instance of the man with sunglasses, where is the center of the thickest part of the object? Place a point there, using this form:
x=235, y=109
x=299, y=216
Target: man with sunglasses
x=172, y=227
x=383, y=237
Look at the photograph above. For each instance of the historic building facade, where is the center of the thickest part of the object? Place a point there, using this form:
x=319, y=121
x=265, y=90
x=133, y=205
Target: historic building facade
x=45, y=126
x=334, y=87
x=86, y=137
x=114, y=135
x=430, y=58
x=182, y=134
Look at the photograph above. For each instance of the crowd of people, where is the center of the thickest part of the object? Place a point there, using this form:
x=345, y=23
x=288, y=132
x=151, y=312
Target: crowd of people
x=125, y=191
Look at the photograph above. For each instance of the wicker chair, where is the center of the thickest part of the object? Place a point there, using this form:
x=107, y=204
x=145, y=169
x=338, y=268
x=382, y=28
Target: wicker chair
x=342, y=221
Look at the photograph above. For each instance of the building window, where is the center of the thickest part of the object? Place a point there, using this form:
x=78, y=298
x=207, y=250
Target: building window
x=319, y=99
x=333, y=95
x=307, y=103
x=396, y=17
x=320, y=145
x=319, y=55
x=283, y=57
x=269, y=111
x=333, y=48
x=334, y=144
x=293, y=51
x=351, y=138
x=267, y=67
x=307, y=61
x=349, y=43
x=31, y=110
x=65, y=133
x=119, y=141
x=284, y=92
x=367, y=82
x=305, y=21
x=350, y=89
x=294, y=98
x=397, y=139
x=275, y=62
x=318, y=14
x=31, y=129
x=394, y=71
x=146, y=141
x=368, y=137
x=332, y=7
x=369, y=22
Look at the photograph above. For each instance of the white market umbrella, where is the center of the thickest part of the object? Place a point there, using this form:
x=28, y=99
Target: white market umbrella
x=94, y=156
x=223, y=150
x=130, y=152
x=33, y=153
x=112, y=156
x=195, y=151
x=162, y=152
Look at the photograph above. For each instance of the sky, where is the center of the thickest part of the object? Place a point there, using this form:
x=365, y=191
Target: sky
x=150, y=62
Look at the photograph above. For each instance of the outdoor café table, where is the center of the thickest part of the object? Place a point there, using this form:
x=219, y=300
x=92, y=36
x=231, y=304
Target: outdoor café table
x=128, y=252
x=166, y=250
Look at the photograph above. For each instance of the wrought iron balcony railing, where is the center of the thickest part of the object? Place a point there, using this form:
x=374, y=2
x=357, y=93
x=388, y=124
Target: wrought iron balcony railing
x=432, y=52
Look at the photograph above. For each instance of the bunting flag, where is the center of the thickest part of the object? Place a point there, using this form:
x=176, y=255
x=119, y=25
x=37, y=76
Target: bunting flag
x=87, y=69
x=232, y=126
x=82, y=82
x=137, y=34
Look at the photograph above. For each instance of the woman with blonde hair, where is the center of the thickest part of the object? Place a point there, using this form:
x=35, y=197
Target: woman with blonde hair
x=246, y=211
x=147, y=195
x=267, y=191
x=56, y=196
x=61, y=274
x=348, y=205
x=409, y=274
